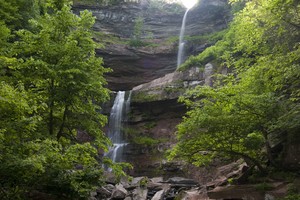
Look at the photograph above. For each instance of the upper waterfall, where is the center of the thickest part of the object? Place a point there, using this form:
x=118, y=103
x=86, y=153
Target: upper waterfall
x=180, y=54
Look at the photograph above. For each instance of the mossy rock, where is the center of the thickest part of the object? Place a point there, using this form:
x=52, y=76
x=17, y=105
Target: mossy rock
x=140, y=97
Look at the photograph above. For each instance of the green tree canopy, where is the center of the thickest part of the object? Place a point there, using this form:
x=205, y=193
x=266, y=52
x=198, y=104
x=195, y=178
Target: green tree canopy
x=258, y=99
x=51, y=87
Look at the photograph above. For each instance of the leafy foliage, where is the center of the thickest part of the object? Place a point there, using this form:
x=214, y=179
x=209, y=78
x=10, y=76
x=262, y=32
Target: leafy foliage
x=136, y=40
x=163, y=6
x=51, y=86
x=260, y=95
x=98, y=2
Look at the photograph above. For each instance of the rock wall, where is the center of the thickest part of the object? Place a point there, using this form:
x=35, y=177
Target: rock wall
x=133, y=66
x=149, y=71
x=155, y=113
x=207, y=16
x=150, y=133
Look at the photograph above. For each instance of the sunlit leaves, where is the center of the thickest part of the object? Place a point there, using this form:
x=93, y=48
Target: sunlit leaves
x=61, y=65
x=51, y=87
x=258, y=98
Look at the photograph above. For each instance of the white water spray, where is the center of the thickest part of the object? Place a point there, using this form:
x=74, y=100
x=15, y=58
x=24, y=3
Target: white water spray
x=188, y=4
x=116, y=119
x=181, y=42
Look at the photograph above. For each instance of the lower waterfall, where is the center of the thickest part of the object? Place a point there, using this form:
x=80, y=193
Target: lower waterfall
x=116, y=122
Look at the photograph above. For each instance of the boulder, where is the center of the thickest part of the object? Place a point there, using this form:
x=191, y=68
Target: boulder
x=140, y=193
x=193, y=194
x=165, y=191
x=291, y=156
x=155, y=186
x=169, y=86
x=105, y=191
x=220, y=181
x=276, y=190
x=139, y=181
x=158, y=186
x=235, y=170
x=119, y=192
x=182, y=181
x=159, y=195
x=156, y=180
x=208, y=72
x=235, y=192
x=279, y=191
x=110, y=178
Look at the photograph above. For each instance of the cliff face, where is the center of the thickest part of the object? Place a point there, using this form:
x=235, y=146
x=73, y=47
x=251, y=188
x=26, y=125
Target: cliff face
x=155, y=113
x=133, y=66
x=209, y=15
x=149, y=72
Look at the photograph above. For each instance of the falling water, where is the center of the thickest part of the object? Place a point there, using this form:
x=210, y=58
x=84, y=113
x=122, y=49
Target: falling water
x=181, y=42
x=116, y=119
x=127, y=104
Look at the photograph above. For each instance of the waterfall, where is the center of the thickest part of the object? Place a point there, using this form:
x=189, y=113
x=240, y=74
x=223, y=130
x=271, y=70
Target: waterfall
x=127, y=104
x=116, y=120
x=180, y=54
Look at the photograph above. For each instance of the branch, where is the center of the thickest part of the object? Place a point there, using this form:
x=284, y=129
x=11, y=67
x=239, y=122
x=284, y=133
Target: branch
x=60, y=132
x=246, y=157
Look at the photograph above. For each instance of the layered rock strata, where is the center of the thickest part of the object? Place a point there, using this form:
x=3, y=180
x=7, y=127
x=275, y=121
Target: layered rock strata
x=132, y=65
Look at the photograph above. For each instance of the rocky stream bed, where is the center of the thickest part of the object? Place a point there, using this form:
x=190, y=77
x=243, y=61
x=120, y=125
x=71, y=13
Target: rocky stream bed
x=180, y=188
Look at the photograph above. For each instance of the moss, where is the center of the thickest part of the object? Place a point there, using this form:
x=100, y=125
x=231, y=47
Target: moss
x=144, y=140
x=148, y=141
x=293, y=192
x=152, y=44
x=172, y=39
x=109, y=38
x=144, y=97
x=180, y=196
x=141, y=43
x=150, y=125
x=263, y=187
x=200, y=60
x=291, y=197
x=293, y=189
x=144, y=182
x=97, y=2
x=282, y=175
x=210, y=38
x=130, y=131
x=210, y=53
x=174, y=90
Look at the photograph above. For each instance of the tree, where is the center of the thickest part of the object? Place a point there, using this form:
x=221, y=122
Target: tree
x=63, y=71
x=259, y=98
x=51, y=86
x=16, y=13
x=224, y=122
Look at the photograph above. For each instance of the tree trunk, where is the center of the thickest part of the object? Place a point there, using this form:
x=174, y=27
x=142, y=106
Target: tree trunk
x=60, y=132
x=251, y=160
x=269, y=149
x=51, y=107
